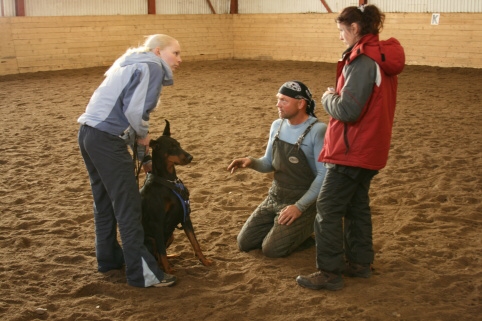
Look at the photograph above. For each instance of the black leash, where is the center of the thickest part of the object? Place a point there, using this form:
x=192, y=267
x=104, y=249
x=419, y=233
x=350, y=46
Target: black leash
x=137, y=163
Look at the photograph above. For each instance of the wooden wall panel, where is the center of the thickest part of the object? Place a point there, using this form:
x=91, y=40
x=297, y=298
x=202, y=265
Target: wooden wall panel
x=54, y=43
x=311, y=37
x=455, y=42
x=8, y=57
x=30, y=44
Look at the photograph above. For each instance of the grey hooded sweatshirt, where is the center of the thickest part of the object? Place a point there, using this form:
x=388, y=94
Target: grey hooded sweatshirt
x=128, y=94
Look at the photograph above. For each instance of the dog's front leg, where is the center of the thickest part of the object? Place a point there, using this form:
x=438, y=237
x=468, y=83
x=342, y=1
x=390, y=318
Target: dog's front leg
x=189, y=230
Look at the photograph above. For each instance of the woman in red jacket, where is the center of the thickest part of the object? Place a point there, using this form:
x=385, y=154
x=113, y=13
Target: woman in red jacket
x=357, y=141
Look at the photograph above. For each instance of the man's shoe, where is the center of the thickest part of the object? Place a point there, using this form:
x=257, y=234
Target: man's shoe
x=168, y=280
x=358, y=270
x=321, y=280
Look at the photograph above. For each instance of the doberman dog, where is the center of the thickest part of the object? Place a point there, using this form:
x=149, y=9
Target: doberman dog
x=165, y=200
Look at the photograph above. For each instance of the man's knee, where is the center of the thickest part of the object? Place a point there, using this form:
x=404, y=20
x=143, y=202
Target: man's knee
x=243, y=245
x=275, y=249
x=272, y=253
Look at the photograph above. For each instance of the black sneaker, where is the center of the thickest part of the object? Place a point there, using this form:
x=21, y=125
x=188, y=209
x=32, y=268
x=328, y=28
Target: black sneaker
x=168, y=280
x=321, y=280
x=358, y=270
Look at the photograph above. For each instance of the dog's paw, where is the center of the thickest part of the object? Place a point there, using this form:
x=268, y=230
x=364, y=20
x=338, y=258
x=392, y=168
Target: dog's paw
x=206, y=262
x=173, y=255
x=169, y=269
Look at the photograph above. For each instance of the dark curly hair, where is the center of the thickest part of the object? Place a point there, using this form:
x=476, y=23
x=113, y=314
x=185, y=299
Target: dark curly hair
x=368, y=17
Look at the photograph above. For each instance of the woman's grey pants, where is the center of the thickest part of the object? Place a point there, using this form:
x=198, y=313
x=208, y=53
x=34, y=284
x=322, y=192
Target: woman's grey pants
x=117, y=202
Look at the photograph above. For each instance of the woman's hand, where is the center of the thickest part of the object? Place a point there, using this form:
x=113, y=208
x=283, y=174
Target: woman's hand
x=144, y=142
x=329, y=90
x=147, y=167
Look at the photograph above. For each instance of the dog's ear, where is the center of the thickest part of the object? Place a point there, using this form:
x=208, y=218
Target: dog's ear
x=167, y=129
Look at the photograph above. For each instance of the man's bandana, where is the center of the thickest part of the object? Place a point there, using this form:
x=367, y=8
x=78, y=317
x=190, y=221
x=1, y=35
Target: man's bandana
x=298, y=90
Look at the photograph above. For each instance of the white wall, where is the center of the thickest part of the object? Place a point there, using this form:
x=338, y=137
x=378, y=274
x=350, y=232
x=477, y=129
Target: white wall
x=139, y=7
x=429, y=5
x=192, y=6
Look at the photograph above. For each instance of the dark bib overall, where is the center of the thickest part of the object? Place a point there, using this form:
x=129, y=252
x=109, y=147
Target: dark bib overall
x=292, y=170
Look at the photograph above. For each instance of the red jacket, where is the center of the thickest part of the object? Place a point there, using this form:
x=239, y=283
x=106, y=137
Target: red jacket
x=365, y=140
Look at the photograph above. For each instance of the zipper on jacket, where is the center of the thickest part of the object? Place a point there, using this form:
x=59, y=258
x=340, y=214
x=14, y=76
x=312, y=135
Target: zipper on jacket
x=345, y=137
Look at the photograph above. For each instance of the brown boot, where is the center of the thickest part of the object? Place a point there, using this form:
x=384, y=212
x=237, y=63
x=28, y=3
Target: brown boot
x=358, y=270
x=321, y=280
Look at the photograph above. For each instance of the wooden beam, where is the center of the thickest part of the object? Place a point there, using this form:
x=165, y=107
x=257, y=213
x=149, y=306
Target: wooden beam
x=327, y=7
x=211, y=6
x=20, y=8
x=233, y=9
x=151, y=6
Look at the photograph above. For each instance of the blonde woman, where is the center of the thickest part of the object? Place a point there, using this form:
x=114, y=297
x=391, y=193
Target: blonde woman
x=116, y=116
